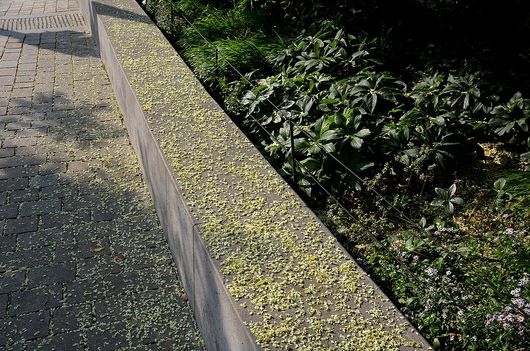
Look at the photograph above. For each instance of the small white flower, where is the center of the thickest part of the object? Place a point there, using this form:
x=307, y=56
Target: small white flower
x=516, y=292
x=431, y=272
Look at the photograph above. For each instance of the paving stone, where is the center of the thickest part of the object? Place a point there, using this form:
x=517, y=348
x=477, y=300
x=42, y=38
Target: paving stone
x=33, y=300
x=84, y=249
x=16, y=161
x=14, y=184
x=99, y=265
x=25, y=195
x=40, y=207
x=19, y=142
x=52, y=168
x=106, y=337
x=86, y=289
x=78, y=166
x=18, y=172
x=71, y=318
x=115, y=308
x=32, y=132
x=8, y=211
x=28, y=151
x=6, y=326
x=7, y=152
x=94, y=231
x=26, y=258
x=42, y=181
x=45, y=237
x=21, y=225
x=17, y=125
x=3, y=305
x=59, y=342
x=103, y=213
x=58, y=273
x=60, y=219
x=7, y=242
x=32, y=326
x=58, y=191
x=80, y=202
x=12, y=281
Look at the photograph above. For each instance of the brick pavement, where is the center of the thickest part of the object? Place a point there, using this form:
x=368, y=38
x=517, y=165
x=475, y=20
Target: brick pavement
x=83, y=262
x=36, y=7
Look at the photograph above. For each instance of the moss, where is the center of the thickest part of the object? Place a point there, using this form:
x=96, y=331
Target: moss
x=278, y=261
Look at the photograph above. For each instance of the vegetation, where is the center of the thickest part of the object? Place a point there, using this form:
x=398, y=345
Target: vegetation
x=423, y=139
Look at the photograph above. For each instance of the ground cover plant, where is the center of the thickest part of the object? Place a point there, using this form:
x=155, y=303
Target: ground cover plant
x=423, y=139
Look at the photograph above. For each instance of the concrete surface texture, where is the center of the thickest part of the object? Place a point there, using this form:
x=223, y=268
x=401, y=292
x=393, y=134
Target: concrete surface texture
x=260, y=269
x=83, y=260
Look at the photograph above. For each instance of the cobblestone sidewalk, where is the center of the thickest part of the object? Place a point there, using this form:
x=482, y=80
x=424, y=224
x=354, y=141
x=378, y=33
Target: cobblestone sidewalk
x=83, y=263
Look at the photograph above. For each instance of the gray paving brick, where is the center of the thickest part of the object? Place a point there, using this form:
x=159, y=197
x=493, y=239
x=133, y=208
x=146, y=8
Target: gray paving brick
x=42, y=181
x=32, y=132
x=21, y=225
x=52, y=168
x=84, y=249
x=99, y=265
x=80, y=202
x=3, y=305
x=33, y=300
x=71, y=318
x=40, y=207
x=106, y=337
x=17, y=125
x=58, y=191
x=12, y=281
x=25, y=195
x=7, y=152
x=57, y=273
x=7, y=242
x=6, y=327
x=60, y=219
x=104, y=213
x=60, y=157
x=45, y=237
x=26, y=258
x=28, y=151
x=18, y=172
x=19, y=142
x=32, y=326
x=59, y=342
x=14, y=184
x=8, y=211
x=85, y=289
x=16, y=161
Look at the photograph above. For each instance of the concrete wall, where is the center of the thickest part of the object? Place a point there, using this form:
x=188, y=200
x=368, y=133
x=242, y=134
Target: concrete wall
x=220, y=325
x=224, y=322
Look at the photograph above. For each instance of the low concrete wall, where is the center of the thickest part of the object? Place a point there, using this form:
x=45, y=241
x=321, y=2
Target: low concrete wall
x=260, y=270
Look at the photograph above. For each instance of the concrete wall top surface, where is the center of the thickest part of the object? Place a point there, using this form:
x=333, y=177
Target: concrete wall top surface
x=289, y=281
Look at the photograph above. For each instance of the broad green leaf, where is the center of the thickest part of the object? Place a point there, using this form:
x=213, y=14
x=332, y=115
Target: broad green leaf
x=356, y=142
x=363, y=133
x=452, y=190
x=442, y=193
x=457, y=201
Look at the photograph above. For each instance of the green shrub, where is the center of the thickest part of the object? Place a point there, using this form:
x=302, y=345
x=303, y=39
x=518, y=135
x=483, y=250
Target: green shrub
x=345, y=103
